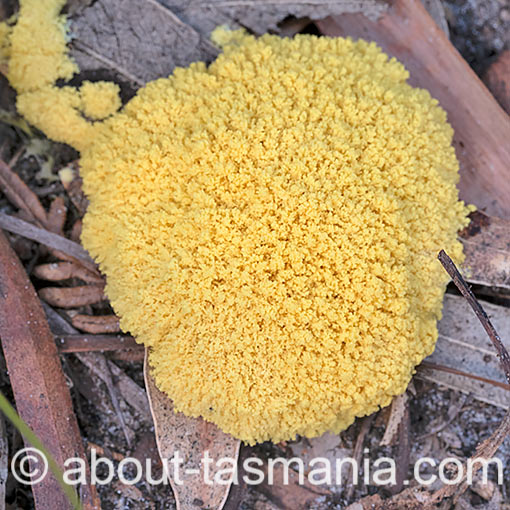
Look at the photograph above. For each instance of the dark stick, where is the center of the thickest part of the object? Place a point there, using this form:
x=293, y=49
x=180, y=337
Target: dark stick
x=465, y=290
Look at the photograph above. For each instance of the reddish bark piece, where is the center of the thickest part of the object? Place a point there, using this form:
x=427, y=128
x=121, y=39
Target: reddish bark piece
x=482, y=128
x=38, y=383
x=190, y=438
x=497, y=79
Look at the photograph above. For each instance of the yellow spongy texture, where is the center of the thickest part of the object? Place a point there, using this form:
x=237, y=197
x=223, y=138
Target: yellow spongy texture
x=269, y=227
x=38, y=45
x=99, y=99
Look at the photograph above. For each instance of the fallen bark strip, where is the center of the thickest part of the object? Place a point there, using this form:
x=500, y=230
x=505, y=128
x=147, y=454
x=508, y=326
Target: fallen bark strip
x=38, y=383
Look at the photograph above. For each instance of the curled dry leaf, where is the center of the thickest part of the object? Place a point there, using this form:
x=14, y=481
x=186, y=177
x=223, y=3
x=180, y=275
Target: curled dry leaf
x=96, y=324
x=191, y=438
x=58, y=271
x=73, y=297
x=20, y=195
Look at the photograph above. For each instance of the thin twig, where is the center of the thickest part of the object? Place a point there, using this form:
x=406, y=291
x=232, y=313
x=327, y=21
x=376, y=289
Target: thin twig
x=442, y=368
x=366, y=422
x=465, y=290
x=25, y=229
x=99, y=343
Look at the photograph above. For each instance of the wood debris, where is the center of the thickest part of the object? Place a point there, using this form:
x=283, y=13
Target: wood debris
x=41, y=394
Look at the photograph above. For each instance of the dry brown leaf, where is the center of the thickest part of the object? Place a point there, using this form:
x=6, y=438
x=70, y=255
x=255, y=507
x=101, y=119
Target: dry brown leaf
x=58, y=271
x=296, y=494
x=40, y=390
x=487, y=247
x=73, y=297
x=482, y=128
x=136, y=42
x=328, y=446
x=191, y=437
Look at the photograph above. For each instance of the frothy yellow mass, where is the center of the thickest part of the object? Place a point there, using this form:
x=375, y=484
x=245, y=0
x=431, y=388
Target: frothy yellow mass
x=269, y=227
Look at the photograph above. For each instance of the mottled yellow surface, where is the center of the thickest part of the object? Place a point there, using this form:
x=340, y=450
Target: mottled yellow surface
x=37, y=49
x=38, y=43
x=269, y=226
x=100, y=99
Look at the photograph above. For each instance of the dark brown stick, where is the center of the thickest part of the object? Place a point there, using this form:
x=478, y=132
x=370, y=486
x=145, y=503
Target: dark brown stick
x=91, y=343
x=465, y=290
